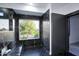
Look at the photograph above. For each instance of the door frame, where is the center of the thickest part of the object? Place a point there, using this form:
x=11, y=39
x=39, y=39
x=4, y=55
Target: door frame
x=68, y=26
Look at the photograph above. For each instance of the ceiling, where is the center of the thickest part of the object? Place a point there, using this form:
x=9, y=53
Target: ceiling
x=27, y=8
x=39, y=8
x=64, y=8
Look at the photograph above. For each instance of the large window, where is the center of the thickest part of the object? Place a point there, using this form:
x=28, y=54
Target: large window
x=28, y=29
x=4, y=24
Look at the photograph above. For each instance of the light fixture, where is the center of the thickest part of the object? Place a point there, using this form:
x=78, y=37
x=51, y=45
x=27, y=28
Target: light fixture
x=1, y=14
x=30, y=8
x=30, y=4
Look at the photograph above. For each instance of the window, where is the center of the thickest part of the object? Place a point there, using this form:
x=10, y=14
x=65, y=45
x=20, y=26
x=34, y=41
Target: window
x=28, y=29
x=1, y=14
x=4, y=25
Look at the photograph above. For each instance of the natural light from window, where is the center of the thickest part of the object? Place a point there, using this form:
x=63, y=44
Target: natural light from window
x=28, y=29
x=4, y=24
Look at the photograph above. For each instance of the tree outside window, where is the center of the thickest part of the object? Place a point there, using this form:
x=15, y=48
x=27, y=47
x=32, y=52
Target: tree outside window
x=29, y=29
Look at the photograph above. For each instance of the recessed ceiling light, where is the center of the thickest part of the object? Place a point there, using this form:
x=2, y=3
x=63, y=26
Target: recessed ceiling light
x=30, y=8
x=31, y=4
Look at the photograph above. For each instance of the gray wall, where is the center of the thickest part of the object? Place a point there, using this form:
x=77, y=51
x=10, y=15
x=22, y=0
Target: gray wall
x=74, y=29
x=58, y=34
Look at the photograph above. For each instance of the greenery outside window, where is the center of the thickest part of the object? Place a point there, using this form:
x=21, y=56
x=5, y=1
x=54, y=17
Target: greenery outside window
x=28, y=29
